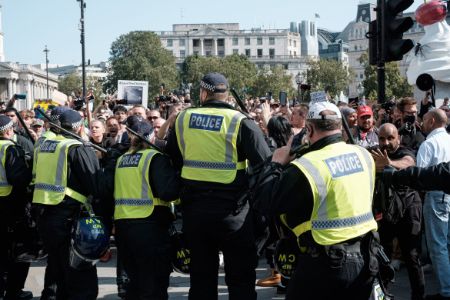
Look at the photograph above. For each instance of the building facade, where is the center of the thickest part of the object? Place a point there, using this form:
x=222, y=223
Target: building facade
x=264, y=47
x=25, y=79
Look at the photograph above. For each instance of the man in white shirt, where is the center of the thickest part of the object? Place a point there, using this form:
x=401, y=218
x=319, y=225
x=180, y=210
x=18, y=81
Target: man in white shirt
x=434, y=150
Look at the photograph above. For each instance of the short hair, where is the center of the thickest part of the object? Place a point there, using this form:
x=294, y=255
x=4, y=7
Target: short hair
x=404, y=102
x=119, y=108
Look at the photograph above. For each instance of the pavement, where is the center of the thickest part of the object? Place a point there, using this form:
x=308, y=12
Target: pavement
x=179, y=283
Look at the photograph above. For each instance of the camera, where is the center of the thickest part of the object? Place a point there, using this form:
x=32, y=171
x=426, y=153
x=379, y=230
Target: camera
x=388, y=106
x=78, y=104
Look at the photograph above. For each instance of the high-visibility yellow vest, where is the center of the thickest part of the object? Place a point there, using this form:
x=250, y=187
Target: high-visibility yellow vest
x=342, y=180
x=5, y=187
x=51, y=172
x=207, y=140
x=46, y=135
x=133, y=193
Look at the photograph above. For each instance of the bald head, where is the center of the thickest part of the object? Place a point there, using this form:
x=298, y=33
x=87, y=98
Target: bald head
x=388, y=128
x=433, y=119
x=388, y=138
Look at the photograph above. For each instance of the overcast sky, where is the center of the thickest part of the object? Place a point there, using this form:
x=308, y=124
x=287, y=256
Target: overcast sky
x=29, y=25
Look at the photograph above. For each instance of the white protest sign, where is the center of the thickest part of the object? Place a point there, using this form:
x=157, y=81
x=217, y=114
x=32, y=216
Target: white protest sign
x=320, y=96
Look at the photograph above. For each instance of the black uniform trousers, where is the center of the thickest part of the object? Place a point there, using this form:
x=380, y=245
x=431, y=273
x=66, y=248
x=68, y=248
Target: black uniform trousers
x=144, y=247
x=206, y=234
x=12, y=274
x=55, y=226
x=408, y=233
x=340, y=272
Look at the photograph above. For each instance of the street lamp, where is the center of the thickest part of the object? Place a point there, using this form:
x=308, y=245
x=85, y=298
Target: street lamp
x=360, y=89
x=83, y=68
x=299, y=80
x=46, y=67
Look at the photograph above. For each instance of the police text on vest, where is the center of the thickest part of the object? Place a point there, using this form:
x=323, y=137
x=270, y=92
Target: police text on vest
x=343, y=165
x=130, y=160
x=205, y=122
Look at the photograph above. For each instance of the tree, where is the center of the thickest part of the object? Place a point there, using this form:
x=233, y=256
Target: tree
x=139, y=55
x=239, y=71
x=328, y=74
x=396, y=85
x=72, y=85
x=272, y=80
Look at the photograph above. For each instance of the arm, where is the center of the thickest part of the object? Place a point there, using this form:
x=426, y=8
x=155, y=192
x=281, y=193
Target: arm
x=424, y=155
x=431, y=178
x=403, y=163
x=165, y=181
x=251, y=142
x=17, y=172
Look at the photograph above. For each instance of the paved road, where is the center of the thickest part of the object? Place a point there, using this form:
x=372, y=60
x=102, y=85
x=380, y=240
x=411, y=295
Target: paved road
x=179, y=284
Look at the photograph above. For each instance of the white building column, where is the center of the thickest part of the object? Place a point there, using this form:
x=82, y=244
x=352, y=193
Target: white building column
x=202, y=52
x=215, y=47
x=10, y=91
x=29, y=92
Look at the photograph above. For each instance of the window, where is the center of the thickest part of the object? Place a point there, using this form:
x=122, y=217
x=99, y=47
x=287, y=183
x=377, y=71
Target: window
x=235, y=41
x=235, y=51
x=221, y=53
x=247, y=52
x=295, y=53
x=259, y=41
x=290, y=42
x=182, y=53
x=207, y=53
x=169, y=43
x=247, y=41
x=196, y=43
x=361, y=76
x=271, y=41
x=271, y=53
x=260, y=52
x=196, y=52
x=182, y=43
x=208, y=43
x=295, y=43
x=220, y=42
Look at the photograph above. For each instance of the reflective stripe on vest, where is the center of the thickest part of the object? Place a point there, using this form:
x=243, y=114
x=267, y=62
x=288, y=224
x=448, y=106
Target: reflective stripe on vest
x=331, y=222
x=209, y=130
x=133, y=195
x=5, y=187
x=51, y=172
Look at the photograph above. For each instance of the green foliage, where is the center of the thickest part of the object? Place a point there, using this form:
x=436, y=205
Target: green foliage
x=139, y=55
x=328, y=74
x=242, y=74
x=273, y=80
x=396, y=85
x=72, y=84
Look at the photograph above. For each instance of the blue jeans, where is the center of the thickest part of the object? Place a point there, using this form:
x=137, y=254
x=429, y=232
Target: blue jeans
x=436, y=212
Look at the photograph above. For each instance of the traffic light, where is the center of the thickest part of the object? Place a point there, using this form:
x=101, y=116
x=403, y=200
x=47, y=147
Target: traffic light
x=393, y=27
x=373, y=43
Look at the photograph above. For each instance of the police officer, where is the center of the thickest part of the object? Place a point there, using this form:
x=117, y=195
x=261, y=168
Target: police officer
x=49, y=291
x=211, y=145
x=325, y=197
x=145, y=181
x=15, y=175
x=66, y=174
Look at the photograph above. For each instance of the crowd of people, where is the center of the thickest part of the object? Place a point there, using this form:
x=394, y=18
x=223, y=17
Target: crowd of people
x=215, y=155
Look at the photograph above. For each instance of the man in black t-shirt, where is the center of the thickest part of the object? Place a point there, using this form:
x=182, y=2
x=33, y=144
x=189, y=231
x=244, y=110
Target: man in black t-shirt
x=404, y=220
x=409, y=130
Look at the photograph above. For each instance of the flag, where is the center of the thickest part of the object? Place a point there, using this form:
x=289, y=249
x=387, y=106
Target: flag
x=316, y=15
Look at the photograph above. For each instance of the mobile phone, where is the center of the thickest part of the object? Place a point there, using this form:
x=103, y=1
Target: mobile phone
x=283, y=98
x=20, y=96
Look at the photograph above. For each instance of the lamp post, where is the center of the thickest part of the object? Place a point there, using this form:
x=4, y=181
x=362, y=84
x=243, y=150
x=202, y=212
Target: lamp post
x=360, y=90
x=46, y=67
x=299, y=80
x=83, y=67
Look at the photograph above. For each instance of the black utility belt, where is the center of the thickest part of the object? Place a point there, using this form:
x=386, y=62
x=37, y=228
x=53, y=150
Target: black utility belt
x=349, y=246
